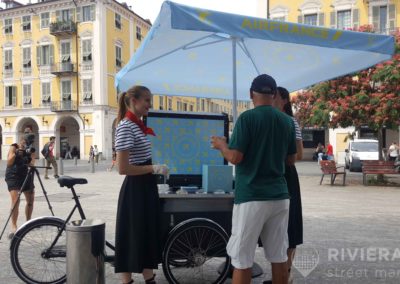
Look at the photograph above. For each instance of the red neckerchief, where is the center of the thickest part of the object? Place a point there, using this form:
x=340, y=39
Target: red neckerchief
x=132, y=117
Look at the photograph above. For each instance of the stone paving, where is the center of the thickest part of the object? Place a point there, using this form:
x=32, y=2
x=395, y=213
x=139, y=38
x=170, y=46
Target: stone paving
x=351, y=233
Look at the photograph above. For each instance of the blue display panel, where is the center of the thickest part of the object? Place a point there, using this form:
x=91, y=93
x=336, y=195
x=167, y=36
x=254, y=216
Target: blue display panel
x=183, y=141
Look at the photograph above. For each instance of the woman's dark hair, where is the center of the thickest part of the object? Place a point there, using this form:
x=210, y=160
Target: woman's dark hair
x=284, y=94
x=125, y=97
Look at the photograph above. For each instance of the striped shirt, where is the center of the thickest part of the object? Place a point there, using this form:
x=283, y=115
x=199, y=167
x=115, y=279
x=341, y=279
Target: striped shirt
x=297, y=129
x=129, y=136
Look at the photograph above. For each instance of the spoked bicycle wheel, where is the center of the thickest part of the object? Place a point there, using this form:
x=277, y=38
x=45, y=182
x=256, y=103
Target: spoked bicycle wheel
x=31, y=257
x=195, y=252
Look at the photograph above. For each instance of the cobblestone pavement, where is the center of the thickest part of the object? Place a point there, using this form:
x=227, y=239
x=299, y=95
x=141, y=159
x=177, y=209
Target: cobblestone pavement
x=351, y=233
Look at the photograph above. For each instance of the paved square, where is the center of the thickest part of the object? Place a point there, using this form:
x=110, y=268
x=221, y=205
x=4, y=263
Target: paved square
x=351, y=233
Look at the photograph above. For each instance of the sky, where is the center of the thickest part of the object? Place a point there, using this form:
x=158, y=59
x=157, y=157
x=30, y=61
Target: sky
x=149, y=9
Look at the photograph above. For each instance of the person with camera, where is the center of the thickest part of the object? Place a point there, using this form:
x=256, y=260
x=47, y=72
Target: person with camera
x=50, y=159
x=19, y=158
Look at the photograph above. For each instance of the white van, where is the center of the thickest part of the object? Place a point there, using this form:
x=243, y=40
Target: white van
x=359, y=150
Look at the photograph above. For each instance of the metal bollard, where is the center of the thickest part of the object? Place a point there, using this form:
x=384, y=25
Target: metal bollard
x=61, y=166
x=76, y=160
x=92, y=165
x=85, y=251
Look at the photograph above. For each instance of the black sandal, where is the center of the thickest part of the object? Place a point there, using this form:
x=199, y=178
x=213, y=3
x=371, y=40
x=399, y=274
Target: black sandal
x=130, y=282
x=151, y=280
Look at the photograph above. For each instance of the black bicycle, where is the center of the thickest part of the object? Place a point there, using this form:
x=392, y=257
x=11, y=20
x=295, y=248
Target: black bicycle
x=194, y=251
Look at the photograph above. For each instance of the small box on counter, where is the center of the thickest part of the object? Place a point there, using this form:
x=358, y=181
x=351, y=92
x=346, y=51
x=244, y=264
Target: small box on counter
x=217, y=178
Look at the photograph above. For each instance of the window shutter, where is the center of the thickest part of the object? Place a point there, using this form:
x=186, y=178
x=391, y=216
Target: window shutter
x=38, y=55
x=51, y=54
x=375, y=18
x=7, y=102
x=392, y=17
x=58, y=15
x=333, y=19
x=14, y=96
x=92, y=12
x=356, y=18
x=78, y=14
x=300, y=19
x=72, y=14
x=321, y=17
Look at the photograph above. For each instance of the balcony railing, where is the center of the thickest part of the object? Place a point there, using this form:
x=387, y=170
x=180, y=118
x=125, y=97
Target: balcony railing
x=8, y=73
x=26, y=72
x=64, y=105
x=62, y=28
x=63, y=68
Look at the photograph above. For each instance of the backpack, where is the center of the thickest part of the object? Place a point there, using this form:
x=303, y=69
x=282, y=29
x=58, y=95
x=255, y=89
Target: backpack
x=45, y=150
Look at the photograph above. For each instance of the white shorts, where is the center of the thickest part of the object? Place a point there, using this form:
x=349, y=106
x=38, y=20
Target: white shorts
x=251, y=220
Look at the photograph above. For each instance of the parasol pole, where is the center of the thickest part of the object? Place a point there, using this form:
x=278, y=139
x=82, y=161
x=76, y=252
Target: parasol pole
x=234, y=81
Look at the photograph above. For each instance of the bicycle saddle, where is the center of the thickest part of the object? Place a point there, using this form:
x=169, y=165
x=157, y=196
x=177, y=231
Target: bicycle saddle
x=70, y=181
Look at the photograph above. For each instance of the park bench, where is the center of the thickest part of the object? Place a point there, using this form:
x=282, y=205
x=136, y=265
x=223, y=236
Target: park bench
x=377, y=168
x=330, y=168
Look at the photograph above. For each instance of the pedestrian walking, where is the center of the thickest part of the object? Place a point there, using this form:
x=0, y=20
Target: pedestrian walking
x=91, y=153
x=50, y=158
x=96, y=154
x=393, y=151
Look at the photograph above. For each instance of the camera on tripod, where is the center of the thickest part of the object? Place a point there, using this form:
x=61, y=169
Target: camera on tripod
x=30, y=139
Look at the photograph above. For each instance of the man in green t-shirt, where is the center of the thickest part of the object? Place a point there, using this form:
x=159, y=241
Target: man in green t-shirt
x=262, y=141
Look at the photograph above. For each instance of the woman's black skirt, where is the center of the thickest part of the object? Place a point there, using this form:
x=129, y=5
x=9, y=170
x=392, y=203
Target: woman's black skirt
x=137, y=238
x=295, y=227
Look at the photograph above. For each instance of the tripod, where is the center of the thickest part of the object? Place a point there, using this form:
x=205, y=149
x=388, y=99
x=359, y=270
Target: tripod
x=29, y=179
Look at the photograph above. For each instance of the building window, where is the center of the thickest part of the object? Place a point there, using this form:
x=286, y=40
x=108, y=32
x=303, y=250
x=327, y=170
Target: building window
x=88, y=13
x=45, y=55
x=86, y=50
x=169, y=104
x=27, y=94
x=44, y=20
x=87, y=89
x=66, y=90
x=118, y=21
x=161, y=102
x=203, y=105
x=344, y=19
x=65, y=15
x=65, y=52
x=46, y=94
x=26, y=23
x=280, y=19
x=138, y=33
x=11, y=96
x=118, y=56
x=185, y=106
x=191, y=108
x=26, y=58
x=8, y=65
x=310, y=19
x=8, y=26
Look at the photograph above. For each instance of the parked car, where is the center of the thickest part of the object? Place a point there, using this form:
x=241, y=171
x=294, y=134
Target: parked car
x=359, y=150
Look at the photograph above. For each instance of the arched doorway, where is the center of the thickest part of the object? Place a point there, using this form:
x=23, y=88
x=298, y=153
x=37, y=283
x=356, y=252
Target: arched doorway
x=29, y=123
x=69, y=135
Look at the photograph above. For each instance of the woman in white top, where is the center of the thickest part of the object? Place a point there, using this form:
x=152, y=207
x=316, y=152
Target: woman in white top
x=137, y=239
x=393, y=151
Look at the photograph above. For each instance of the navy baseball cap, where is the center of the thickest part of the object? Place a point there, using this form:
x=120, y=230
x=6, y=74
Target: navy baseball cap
x=264, y=84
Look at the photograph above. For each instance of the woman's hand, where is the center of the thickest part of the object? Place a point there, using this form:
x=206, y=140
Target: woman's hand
x=161, y=170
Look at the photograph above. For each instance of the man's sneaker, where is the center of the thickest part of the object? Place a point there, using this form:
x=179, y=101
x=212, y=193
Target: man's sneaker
x=46, y=177
x=56, y=176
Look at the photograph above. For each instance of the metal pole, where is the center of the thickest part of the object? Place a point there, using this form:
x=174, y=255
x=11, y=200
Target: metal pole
x=234, y=80
x=91, y=165
x=61, y=166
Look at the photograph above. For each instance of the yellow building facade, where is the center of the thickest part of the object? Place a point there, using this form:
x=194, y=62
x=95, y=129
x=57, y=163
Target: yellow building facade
x=59, y=60
x=383, y=15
